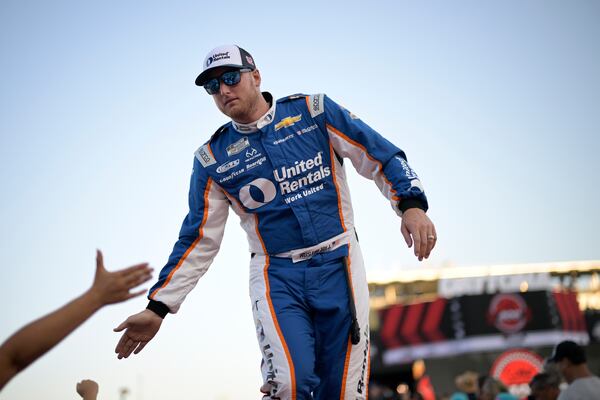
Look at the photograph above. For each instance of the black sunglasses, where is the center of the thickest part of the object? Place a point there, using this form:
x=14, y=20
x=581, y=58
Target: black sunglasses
x=230, y=78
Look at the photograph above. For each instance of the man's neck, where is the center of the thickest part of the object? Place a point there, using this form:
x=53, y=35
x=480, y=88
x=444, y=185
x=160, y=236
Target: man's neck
x=581, y=371
x=261, y=120
x=259, y=108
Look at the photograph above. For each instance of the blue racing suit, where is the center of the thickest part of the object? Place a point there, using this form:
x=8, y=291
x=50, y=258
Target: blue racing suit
x=284, y=177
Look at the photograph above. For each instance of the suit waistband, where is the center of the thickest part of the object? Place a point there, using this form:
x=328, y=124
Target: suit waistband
x=325, y=246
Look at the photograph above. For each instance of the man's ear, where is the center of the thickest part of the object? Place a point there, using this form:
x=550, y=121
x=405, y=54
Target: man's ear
x=256, y=77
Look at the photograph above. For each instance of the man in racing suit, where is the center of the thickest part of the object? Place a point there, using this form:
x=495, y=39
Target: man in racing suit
x=279, y=164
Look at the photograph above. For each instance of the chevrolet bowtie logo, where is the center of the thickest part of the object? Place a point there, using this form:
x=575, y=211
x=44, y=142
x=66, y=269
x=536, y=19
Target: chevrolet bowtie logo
x=287, y=121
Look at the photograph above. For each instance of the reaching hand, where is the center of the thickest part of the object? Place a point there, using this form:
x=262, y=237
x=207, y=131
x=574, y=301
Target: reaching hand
x=87, y=389
x=114, y=287
x=139, y=328
x=418, y=229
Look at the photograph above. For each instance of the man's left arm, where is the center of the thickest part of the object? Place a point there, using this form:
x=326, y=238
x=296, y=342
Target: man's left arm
x=376, y=158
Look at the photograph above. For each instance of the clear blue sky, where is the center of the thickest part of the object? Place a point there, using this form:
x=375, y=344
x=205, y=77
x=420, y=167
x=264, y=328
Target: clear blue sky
x=497, y=105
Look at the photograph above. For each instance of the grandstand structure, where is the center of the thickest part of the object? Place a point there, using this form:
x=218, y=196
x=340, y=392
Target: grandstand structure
x=459, y=318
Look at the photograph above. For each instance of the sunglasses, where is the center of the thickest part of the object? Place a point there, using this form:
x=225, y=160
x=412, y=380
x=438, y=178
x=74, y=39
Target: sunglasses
x=230, y=78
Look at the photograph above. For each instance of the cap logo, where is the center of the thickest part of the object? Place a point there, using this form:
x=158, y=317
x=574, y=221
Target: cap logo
x=250, y=60
x=217, y=57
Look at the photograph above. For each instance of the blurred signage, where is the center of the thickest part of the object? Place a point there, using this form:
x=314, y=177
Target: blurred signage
x=449, y=288
x=485, y=322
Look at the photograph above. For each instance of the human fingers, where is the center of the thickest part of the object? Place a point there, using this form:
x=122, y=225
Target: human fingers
x=99, y=260
x=134, y=294
x=122, y=326
x=424, y=252
x=418, y=244
x=406, y=234
x=431, y=240
x=124, y=346
x=119, y=349
x=137, y=277
x=140, y=347
x=132, y=269
x=130, y=346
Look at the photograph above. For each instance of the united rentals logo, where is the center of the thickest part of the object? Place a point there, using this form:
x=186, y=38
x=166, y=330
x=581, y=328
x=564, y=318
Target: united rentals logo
x=217, y=57
x=287, y=121
x=508, y=312
x=257, y=193
x=316, y=172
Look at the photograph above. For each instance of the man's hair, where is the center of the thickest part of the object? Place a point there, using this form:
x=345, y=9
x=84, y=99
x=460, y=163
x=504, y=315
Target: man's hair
x=544, y=380
x=569, y=350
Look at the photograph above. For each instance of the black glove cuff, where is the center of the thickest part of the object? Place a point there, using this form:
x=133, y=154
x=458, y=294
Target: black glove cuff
x=411, y=202
x=158, y=308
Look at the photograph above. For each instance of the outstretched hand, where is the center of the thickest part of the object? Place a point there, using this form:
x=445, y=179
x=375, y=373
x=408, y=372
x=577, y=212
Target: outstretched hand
x=139, y=329
x=418, y=230
x=114, y=287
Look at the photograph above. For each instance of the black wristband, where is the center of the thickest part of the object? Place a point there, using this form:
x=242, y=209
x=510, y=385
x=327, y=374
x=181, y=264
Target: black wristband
x=411, y=202
x=158, y=308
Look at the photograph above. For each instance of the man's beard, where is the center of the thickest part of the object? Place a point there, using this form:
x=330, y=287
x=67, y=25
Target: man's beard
x=240, y=112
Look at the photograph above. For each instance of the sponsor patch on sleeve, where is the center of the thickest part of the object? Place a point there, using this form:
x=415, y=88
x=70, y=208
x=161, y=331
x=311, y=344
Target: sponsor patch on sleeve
x=316, y=104
x=205, y=157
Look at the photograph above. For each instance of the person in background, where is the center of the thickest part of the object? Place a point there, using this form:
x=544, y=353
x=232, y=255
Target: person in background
x=35, y=339
x=493, y=389
x=545, y=386
x=571, y=362
x=87, y=389
x=467, y=385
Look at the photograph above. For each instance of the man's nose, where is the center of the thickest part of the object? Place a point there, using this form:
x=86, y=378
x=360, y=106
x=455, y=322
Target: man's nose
x=223, y=88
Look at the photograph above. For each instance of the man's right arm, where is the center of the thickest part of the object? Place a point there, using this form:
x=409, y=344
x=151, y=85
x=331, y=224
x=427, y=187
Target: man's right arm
x=199, y=241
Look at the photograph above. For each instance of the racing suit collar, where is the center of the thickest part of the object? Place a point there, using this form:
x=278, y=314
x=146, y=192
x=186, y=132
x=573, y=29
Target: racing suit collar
x=261, y=122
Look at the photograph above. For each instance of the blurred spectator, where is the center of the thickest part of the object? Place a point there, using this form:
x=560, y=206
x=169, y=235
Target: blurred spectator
x=380, y=392
x=570, y=359
x=466, y=383
x=480, y=381
x=416, y=396
x=492, y=389
x=27, y=345
x=545, y=386
x=87, y=389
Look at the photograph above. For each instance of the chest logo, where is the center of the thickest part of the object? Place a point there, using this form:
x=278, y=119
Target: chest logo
x=227, y=166
x=257, y=193
x=238, y=146
x=287, y=121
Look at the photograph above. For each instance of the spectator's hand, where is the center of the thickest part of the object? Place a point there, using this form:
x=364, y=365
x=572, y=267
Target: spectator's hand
x=139, y=328
x=418, y=230
x=114, y=287
x=87, y=389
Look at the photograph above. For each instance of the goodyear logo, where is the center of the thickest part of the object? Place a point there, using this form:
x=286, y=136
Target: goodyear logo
x=287, y=121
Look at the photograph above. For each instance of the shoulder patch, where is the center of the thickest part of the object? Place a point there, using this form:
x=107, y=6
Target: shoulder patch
x=316, y=104
x=204, y=155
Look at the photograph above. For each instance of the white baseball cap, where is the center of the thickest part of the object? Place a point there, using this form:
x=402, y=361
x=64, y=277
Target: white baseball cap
x=225, y=56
